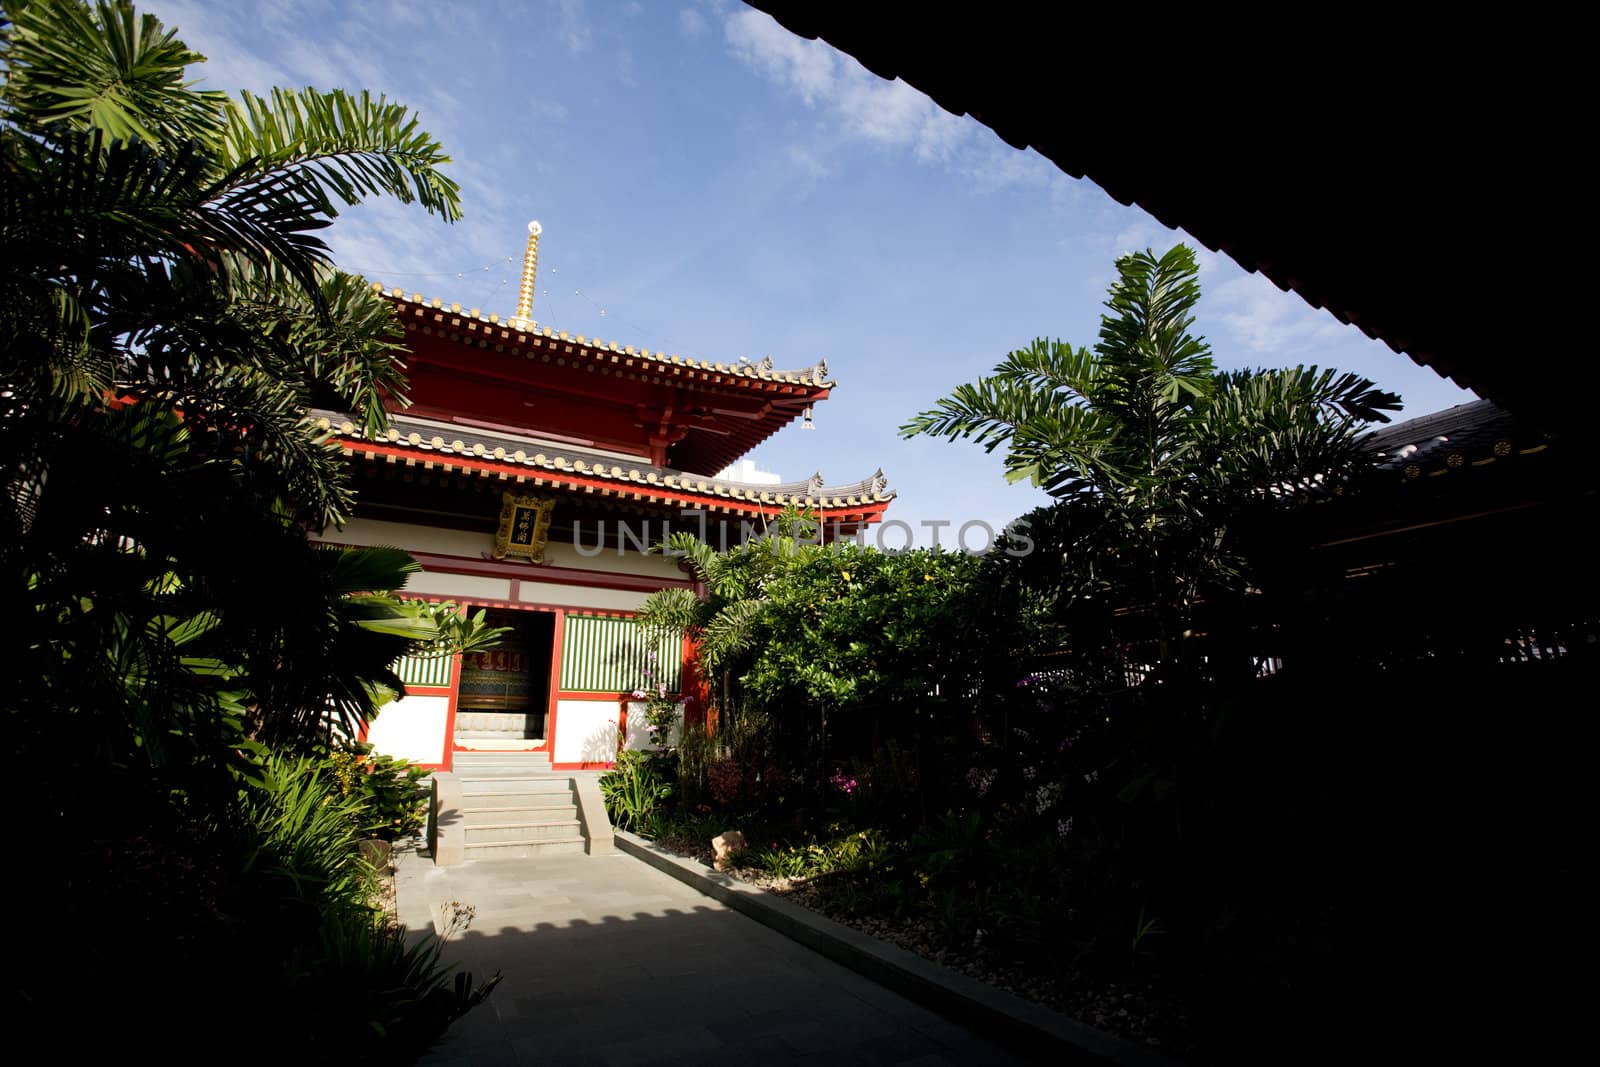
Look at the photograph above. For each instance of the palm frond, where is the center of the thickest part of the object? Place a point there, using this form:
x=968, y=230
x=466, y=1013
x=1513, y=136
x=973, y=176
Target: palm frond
x=1145, y=344
x=347, y=146
x=367, y=570
x=701, y=556
x=1276, y=433
x=261, y=420
x=732, y=631
x=670, y=611
x=346, y=339
x=987, y=411
x=85, y=204
x=460, y=632
x=1064, y=451
x=1054, y=367
x=105, y=68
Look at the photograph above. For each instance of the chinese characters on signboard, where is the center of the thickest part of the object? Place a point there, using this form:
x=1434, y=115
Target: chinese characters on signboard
x=524, y=527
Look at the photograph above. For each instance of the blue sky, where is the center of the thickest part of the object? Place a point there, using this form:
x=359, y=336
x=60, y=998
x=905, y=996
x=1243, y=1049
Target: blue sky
x=718, y=188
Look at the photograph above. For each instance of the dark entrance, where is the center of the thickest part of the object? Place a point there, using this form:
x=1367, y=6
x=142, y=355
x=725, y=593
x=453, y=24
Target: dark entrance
x=505, y=694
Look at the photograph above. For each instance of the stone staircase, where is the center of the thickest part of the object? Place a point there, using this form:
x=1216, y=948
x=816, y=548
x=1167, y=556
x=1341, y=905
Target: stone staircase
x=498, y=726
x=514, y=807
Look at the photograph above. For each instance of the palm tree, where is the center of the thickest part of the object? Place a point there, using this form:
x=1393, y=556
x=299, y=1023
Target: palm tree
x=162, y=241
x=1153, y=455
x=159, y=255
x=724, y=620
x=167, y=314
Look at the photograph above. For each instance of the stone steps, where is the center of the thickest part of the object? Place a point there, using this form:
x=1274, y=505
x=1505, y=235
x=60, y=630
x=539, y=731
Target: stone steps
x=496, y=722
x=498, y=767
x=485, y=802
x=494, y=833
x=513, y=807
x=525, y=850
x=478, y=737
x=476, y=784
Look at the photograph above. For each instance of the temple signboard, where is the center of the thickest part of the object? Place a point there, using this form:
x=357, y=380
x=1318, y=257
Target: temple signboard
x=524, y=527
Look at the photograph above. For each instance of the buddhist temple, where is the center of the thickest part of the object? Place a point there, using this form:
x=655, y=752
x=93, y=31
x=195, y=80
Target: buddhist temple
x=531, y=475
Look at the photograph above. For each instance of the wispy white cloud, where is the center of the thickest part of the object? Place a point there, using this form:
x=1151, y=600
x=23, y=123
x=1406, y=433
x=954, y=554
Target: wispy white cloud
x=1262, y=318
x=438, y=108
x=258, y=48
x=549, y=110
x=806, y=67
x=889, y=114
x=999, y=166
x=691, y=23
x=572, y=26
x=1246, y=311
x=231, y=63
x=625, y=68
x=1147, y=233
x=333, y=65
x=1139, y=235
x=808, y=163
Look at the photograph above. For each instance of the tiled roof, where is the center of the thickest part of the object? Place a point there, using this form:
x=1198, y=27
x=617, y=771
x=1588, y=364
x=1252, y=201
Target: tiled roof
x=427, y=438
x=493, y=330
x=1467, y=435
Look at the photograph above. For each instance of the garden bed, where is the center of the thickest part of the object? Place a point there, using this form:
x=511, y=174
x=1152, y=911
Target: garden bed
x=386, y=896
x=1132, y=1010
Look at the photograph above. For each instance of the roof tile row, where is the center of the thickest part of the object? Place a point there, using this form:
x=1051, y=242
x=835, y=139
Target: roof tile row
x=405, y=432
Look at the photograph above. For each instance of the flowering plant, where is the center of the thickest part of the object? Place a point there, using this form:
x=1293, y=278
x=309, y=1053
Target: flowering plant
x=660, y=708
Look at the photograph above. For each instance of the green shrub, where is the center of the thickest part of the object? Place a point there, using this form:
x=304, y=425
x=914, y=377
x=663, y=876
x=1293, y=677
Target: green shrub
x=312, y=906
x=307, y=833
x=695, y=752
x=394, y=804
x=635, y=791
x=395, y=998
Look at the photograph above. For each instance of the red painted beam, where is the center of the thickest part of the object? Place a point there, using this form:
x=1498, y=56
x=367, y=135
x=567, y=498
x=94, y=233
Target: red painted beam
x=539, y=572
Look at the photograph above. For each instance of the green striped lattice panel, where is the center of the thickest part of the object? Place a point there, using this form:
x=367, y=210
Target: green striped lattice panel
x=423, y=670
x=607, y=655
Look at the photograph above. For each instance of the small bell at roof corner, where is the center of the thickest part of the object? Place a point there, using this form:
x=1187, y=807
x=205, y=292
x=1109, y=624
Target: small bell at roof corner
x=808, y=424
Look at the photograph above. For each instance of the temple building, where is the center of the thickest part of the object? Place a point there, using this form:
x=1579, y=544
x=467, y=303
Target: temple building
x=530, y=476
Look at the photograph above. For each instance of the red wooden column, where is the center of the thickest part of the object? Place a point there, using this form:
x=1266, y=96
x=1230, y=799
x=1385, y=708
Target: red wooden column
x=693, y=688
x=555, y=682
x=450, y=713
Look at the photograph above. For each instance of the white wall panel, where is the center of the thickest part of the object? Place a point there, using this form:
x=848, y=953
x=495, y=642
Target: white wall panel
x=412, y=728
x=581, y=596
x=586, y=731
x=441, y=583
x=639, y=737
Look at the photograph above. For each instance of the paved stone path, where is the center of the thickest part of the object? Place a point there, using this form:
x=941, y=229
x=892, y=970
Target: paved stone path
x=608, y=961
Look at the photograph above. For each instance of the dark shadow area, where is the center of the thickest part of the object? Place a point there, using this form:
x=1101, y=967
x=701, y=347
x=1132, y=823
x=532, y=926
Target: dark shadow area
x=680, y=986
x=505, y=692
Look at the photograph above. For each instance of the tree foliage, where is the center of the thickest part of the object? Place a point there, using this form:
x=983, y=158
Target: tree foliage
x=1152, y=452
x=168, y=311
x=813, y=648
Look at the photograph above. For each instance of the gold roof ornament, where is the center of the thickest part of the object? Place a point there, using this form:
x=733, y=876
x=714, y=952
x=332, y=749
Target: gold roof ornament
x=530, y=269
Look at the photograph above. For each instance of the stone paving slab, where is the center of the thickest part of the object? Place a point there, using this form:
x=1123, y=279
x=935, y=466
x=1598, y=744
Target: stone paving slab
x=1046, y=1035
x=608, y=961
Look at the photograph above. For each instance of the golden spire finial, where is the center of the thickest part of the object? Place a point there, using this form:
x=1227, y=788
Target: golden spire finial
x=530, y=267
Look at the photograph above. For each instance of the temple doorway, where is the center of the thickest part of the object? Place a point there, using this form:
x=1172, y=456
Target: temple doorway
x=504, y=696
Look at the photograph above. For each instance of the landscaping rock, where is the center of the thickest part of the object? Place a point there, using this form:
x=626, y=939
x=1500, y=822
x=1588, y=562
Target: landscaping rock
x=723, y=846
x=376, y=852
